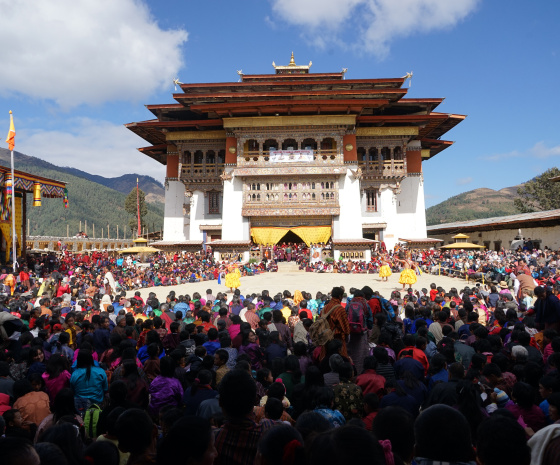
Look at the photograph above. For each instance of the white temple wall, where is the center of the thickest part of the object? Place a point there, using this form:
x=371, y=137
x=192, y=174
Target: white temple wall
x=410, y=208
x=546, y=236
x=404, y=213
x=199, y=216
x=173, y=220
x=388, y=214
x=348, y=224
x=235, y=227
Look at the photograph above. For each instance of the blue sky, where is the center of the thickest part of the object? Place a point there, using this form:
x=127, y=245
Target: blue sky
x=74, y=72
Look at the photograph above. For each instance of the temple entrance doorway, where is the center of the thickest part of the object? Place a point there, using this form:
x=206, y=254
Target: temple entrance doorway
x=291, y=237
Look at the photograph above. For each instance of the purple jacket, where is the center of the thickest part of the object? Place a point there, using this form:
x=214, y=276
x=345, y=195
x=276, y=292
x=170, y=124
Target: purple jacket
x=165, y=391
x=256, y=354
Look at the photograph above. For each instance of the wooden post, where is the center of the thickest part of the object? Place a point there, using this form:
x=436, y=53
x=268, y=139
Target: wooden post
x=117, y=232
x=85, y=227
x=80, y=226
x=108, y=232
x=101, y=233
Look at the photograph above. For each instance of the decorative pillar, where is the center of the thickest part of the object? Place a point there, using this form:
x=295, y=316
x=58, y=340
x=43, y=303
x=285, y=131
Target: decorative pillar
x=8, y=184
x=413, y=161
x=339, y=145
x=349, y=148
x=172, y=165
x=36, y=194
x=231, y=150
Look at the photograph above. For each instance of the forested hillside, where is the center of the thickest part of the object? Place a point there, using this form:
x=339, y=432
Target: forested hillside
x=472, y=205
x=88, y=201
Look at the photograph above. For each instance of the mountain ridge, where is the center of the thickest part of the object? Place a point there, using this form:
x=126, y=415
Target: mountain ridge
x=125, y=183
x=89, y=201
x=482, y=202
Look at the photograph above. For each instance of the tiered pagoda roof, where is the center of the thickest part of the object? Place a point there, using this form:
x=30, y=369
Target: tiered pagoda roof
x=292, y=91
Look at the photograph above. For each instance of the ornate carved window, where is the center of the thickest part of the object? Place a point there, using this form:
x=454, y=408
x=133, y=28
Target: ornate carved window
x=213, y=202
x=371, y=200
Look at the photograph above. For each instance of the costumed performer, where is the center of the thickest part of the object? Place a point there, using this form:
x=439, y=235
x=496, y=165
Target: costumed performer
x=408, y=275
x=232, y=277
x=385, y=269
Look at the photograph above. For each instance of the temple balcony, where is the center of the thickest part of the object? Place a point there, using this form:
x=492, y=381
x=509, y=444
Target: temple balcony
x=300, y=199
x=261, y=159
x=199, y=171
x=386, y=168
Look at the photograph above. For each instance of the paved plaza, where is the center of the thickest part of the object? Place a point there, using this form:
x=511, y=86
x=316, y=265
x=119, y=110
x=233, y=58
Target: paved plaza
x=300, y=280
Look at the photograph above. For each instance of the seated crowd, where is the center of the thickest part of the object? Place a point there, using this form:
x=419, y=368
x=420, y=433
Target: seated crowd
x=460, y=377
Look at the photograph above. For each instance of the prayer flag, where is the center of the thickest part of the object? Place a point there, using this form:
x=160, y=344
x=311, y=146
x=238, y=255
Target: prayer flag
x=11, y=139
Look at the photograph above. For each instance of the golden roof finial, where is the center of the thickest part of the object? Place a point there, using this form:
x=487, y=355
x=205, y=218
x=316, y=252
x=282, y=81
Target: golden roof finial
x=291, y=67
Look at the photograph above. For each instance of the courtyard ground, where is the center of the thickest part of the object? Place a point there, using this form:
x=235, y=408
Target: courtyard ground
x=310, y=282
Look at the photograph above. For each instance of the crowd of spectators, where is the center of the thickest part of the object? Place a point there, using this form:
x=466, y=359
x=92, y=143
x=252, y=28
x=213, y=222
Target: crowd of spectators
x=462, y=375
x=423, y=376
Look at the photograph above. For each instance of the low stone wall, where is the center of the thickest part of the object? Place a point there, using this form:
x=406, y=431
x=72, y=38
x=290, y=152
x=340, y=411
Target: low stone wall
x=76, y=244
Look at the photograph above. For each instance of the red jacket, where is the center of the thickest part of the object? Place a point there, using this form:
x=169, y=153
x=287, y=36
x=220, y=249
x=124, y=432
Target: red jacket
x=370, y=381
x=418, y=355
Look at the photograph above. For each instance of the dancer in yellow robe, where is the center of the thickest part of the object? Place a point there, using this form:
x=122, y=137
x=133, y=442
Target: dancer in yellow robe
x=408, y=275
x=232, y=277
x=385, y=270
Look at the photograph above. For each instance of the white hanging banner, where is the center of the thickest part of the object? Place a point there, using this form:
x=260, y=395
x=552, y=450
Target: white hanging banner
x=315, y=254
x=291, y=156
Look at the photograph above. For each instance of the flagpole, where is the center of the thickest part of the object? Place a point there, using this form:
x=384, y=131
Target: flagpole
x=138, y=205
x=11, y=144
x=14, y=254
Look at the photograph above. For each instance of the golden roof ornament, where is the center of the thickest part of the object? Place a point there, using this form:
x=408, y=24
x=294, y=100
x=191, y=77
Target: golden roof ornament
x=292, y=67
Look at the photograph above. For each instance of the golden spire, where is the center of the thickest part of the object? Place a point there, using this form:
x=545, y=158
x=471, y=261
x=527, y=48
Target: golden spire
x=292, y=61
x=292, y=67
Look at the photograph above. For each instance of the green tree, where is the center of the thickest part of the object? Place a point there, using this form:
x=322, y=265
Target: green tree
x=130, y=205
x=540, y=193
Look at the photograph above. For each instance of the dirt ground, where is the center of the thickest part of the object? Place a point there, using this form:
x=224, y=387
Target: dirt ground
x=302, y=281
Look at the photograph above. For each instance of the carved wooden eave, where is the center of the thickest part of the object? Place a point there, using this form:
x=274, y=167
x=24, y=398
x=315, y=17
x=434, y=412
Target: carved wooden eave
x=381, y=184
x=299, y=170
x=357, y=174
x=203, y=185
x=271, y=211
x=225, y=176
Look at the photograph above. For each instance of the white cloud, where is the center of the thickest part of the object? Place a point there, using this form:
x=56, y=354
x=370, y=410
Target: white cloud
x=315, y=13
x=463, y=181
x=97, y=147
x=373, y=24
x=540, y=150
x=86, y=51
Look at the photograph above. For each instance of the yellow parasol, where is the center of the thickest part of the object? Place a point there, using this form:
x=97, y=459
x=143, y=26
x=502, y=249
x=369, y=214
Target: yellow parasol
x=140, y=249
x=462, y=245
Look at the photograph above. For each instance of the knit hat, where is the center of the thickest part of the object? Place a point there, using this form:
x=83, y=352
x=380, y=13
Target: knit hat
x=517, y=351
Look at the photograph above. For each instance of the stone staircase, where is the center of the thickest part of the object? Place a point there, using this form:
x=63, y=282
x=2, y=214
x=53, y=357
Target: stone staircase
x=288, y=267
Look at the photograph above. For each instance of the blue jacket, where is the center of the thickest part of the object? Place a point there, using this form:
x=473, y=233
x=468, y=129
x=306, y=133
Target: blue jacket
x=547, y=310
